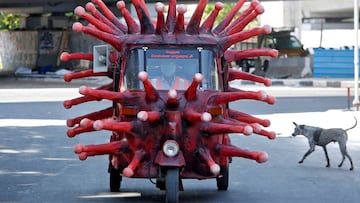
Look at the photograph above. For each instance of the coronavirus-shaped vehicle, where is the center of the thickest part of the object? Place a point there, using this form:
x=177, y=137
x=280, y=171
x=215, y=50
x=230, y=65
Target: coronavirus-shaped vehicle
x=170, y=117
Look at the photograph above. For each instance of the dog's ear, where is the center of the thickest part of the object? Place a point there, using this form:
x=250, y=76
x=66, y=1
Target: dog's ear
x=295, y=124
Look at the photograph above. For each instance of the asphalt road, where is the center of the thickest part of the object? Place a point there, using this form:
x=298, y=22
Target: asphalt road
x=37, y=163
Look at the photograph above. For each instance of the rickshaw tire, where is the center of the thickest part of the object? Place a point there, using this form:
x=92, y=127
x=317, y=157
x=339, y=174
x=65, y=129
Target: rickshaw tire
x=172, y=183
x=223, y=181
x=115, y=179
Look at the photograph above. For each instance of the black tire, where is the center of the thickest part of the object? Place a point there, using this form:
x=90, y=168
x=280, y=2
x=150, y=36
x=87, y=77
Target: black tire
x=172, y=185
x=115, y=179
x=266, y=65
x=223, y=181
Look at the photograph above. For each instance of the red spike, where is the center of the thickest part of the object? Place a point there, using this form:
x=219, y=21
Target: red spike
x=247, y=16
x=151, y=93
x=104, y=94
x=160, y=23
x=240, y=116
x=194, y=116
x=226, y=21
x=109, y=15
x=69, y=103
x=235, y=74
x=78, y=130
x=80, y=11
x=100, y=149
x=83, y=74
x=171, y=16
x=234, y=55
x=135, y=162
x=270, y=135
x=238, y=37
x=217, y=128
x=172, y=98
x=65, y=56
x=133, y=27
x=231, y=151
x=209, y=21
x=226, y=97
x=190, y=93
x=194, y=23
x=91, y=7
x=114, y=40
x=144, y=17
x=206, y=157
x=150, y=116
x=109, y=124
x=102, y=114
x=179, y=25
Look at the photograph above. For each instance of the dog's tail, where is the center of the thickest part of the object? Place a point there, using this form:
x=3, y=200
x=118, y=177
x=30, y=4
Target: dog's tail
x=352, y=126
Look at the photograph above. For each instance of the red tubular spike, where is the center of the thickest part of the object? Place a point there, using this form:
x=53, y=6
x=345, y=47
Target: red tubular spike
x=233, y=55
x=65, y=56
x=190, y=93
x=133, y=27
x=91, y=7
x=209, y=21
x=83, y=74
x=78, y=130
x=238, y=37
x=206, y=157
x=105, y=113
x=226, y=21
x=171, y=16
x=194, y=116
x=86, y=123
x=160, y=24
x=144, y=17
x=109, y=124
x=80, y=11
x=270, y=135
x=104, y=94
x=217, y=128
x=226, y=97
x=109, y=15
x=151, y=93
x=247, y=16
x=236, y=74
x=240, y=116
x=114, y=40
x=179, y=25
x=69, y=103
x=172, y=98
x=232, y=151
x=141, y=8
x=135, y=162
x=194, y=23
x=80, y=100
x=150, y=116
x=100, y=149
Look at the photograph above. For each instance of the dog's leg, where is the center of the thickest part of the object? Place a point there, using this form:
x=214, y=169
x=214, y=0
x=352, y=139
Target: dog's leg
x=344, y=153
x=311, y=150
x=327, y=157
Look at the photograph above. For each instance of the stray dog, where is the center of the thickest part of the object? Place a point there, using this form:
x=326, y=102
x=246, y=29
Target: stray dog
x=322, y=137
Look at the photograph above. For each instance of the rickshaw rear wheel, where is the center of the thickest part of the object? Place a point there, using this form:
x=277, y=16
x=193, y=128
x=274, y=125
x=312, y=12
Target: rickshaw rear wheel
x=223, y=180
x=115, y=179
x=172, y=185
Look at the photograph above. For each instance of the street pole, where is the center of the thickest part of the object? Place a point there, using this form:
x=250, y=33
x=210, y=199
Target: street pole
x=356, y=56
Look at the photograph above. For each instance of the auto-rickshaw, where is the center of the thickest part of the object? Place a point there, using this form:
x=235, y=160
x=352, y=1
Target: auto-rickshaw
x=170, y=118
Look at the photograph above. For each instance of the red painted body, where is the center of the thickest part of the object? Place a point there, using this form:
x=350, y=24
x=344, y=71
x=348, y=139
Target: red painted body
x=142, y=119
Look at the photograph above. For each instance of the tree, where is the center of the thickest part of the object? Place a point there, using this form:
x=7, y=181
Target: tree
x=9, y=21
